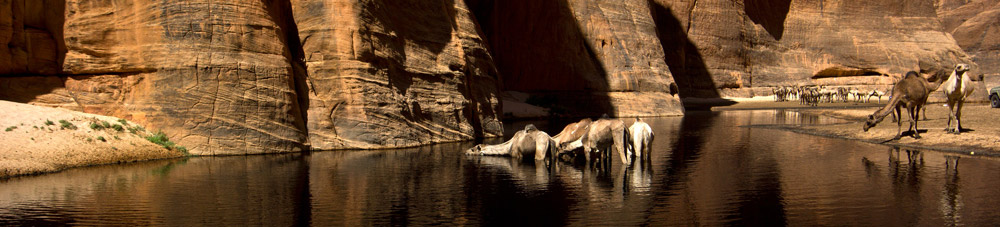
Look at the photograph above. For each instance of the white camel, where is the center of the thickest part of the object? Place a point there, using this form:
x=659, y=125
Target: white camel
x=640, y=137
x=957, y=87
x=525, y=143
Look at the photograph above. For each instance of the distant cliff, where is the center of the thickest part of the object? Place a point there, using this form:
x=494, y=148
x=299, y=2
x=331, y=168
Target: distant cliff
x=245, y=77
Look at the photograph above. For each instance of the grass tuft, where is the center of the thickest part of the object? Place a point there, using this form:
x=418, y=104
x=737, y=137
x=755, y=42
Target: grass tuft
x=11, y=128
x=101, y=138
x=48, y=122
x=118, y=127
x=162, y=140
x=66, y=125
x=96, y=126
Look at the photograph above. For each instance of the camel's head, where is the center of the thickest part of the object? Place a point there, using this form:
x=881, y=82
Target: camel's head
x=871, y=122
x=475, y=150
x=961, y=68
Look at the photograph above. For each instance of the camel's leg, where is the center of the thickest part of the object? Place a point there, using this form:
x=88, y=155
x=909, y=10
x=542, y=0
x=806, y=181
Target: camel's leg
x=899, y=124
x=914, y=114
x=958, y=117
x=646, y=149
x=619, y=145
x=951, y=115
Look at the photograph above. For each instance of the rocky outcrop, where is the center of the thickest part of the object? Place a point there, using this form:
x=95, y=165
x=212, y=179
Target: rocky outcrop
x=395, y=73
x=731, y=48
x=976, y=27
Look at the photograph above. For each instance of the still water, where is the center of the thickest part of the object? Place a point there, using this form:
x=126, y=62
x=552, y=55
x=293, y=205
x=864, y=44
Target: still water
x=706, y=170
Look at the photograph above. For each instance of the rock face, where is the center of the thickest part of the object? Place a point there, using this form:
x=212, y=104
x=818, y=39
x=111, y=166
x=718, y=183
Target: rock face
x=395, y=73
x=242, y=77
x=976, y=27
x=582, y=58
x=31, y=36
x=731, y=48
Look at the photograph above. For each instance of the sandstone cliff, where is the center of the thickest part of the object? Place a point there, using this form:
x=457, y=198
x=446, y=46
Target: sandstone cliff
x=242, y=77
x=976, y=27
x=731, y=48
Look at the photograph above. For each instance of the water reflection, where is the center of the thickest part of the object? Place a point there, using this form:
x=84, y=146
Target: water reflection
x=705, y=170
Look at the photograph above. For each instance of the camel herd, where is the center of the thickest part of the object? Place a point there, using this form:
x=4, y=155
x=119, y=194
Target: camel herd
x=813, y=95
x=595, y=140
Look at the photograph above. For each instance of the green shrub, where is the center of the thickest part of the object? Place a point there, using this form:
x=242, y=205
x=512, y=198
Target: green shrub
x=11, y=128
x=136, y=129
x=101, y=138
x=123, y=121
x=105, y=124
x=48, y=122
x=89, y=140
x=162, y=140
x=118, y=127
x=66, y=125
x=96, y=126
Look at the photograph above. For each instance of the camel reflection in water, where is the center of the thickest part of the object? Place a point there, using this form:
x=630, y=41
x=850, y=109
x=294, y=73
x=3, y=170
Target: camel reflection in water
x=906, y=178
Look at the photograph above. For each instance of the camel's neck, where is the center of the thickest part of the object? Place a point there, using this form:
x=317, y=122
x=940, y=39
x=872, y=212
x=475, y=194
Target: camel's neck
x=956, y=79
x=497, y=149
x=889, y=107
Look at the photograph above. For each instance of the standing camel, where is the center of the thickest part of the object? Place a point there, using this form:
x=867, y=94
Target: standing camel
x=957, y=87
x=910, y=92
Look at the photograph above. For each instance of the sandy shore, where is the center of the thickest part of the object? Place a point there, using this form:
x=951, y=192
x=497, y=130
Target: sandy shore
x=981, y=134
x=37, y=140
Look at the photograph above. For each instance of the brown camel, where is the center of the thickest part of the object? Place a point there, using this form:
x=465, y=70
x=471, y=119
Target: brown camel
x=910, y=92
x=956, y=88
x=601, y=137
x=572, y=132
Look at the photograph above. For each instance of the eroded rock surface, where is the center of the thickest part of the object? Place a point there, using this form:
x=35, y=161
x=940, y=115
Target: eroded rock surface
x=733, y=47
x=243, y=77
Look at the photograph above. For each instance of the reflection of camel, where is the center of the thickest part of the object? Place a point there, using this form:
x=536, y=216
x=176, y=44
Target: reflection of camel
x=602, y=136
x=525, y=143
x=910, y=92
x=639, y=138
x=956, y=88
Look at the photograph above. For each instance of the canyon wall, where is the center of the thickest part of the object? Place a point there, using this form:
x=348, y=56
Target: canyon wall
x=745, y=48
x=245, y=77
x=976, y=27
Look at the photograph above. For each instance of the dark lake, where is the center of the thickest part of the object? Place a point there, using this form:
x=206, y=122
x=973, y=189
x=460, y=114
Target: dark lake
x=706, y=170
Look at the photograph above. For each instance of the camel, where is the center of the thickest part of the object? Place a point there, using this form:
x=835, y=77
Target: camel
x=957, y=87
x=602, y=136
x=910, y=92
x=528, y=142
x=572, y=132
x=640, y=136
x=875, y=93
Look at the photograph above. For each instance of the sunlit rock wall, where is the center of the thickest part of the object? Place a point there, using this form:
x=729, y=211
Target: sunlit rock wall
x=395, y=73
x=743, y=48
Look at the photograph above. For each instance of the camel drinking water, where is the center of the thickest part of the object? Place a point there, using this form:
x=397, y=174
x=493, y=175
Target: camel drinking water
x=911, y=92
x=526, y=143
